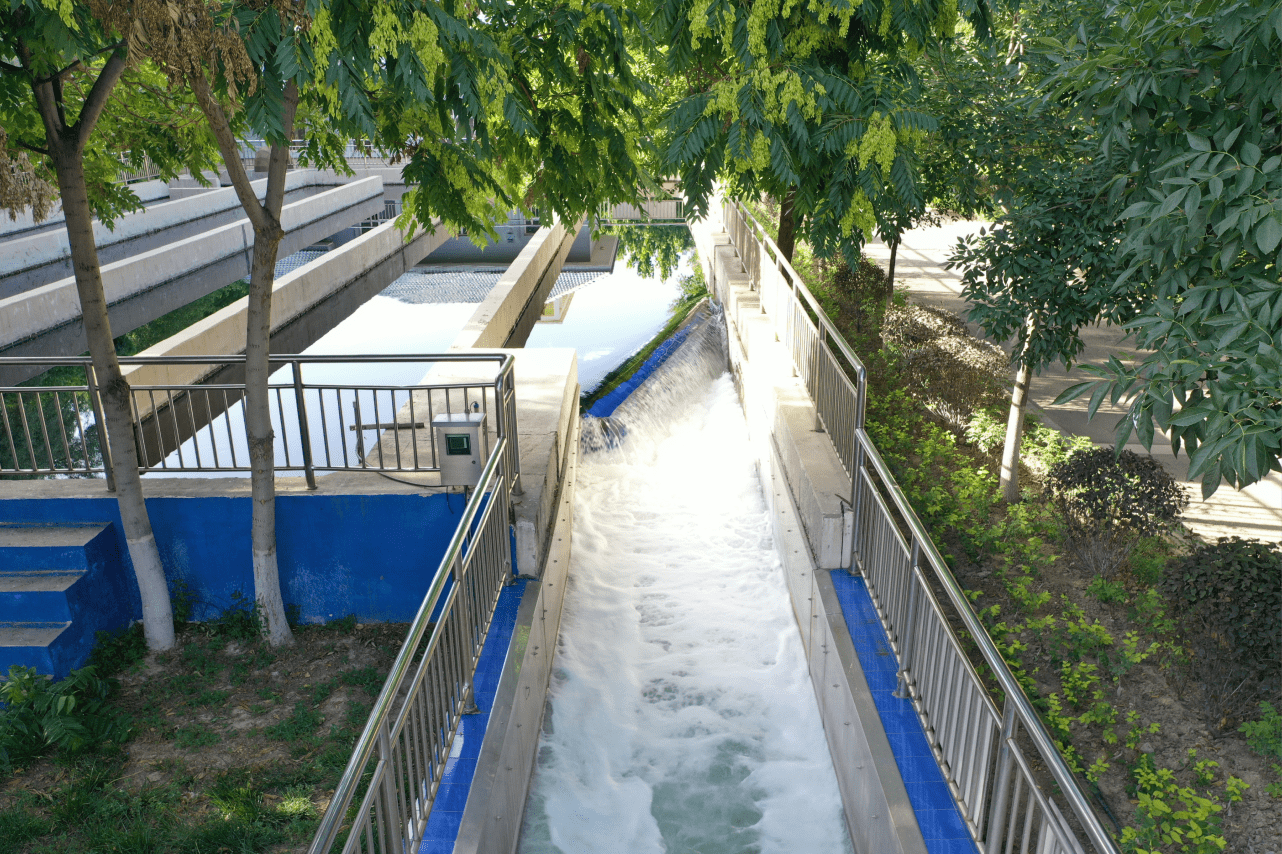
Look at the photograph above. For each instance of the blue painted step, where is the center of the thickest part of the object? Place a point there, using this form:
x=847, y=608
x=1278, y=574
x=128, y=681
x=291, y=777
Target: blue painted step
x=59, y=586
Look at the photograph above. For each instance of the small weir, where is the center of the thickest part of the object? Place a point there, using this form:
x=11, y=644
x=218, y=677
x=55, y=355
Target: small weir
x=682, y=717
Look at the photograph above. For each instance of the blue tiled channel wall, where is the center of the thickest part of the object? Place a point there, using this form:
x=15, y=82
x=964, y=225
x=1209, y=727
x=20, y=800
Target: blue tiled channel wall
x=447, y=811
x=941, y=823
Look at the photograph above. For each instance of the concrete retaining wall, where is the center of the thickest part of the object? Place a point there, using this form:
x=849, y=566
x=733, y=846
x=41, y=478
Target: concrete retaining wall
x=504, y=318
x=804, y=483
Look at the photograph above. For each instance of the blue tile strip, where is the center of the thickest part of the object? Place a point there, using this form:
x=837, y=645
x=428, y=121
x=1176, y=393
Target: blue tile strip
x=941, y=823
x=606, y=405
x=447, y=811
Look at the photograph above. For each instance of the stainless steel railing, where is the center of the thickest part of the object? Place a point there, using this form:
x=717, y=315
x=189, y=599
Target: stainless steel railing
x=833, y=375
x=184, y=425
x=987, y=742
x=417, y=714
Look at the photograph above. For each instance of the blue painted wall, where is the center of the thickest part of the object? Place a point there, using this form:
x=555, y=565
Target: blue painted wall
x=368, y=555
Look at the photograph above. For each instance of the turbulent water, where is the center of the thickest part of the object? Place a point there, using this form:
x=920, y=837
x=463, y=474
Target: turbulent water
x=682, y=717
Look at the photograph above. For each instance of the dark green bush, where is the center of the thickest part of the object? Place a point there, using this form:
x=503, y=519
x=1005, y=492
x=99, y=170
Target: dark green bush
x=1234, y=587
x=1109, y=501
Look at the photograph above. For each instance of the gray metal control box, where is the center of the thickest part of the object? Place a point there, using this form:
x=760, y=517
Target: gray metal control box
x=460, y=447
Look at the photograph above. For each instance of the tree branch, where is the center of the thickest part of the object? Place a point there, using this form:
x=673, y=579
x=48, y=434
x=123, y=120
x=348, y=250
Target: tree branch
x=97, y=97
x=221, y=127
x=10, y=68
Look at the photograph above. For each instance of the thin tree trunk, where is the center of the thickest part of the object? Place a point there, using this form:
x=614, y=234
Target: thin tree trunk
x=787, y=233
x=66, y=149
x=268, y=233
x=890, y=273
x=1015, y=424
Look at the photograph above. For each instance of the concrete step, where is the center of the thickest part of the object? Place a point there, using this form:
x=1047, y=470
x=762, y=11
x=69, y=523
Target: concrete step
x=59, y=586
x=36, y=593
x=24, y=547
x=46, y=646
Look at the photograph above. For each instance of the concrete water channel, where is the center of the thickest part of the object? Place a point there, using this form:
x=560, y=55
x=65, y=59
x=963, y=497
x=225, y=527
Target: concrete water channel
x=747, y=639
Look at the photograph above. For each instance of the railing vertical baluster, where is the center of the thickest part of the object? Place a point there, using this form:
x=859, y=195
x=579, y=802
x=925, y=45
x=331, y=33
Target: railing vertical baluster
x=26, y=432
x=1001, y=793
x=304, y=432
x=95, y=402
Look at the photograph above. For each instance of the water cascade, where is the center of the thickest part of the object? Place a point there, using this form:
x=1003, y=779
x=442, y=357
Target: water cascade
x=682, y=716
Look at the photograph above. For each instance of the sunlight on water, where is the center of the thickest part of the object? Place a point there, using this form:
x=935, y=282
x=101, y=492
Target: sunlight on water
x=682, y=716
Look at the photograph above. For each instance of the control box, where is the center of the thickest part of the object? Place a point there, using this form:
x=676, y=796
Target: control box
x=460, y=447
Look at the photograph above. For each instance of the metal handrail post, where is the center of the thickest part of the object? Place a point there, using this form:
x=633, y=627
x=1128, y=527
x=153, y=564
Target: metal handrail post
x=1001, y=799
x=304, y=433
x=910, y=622
x=95, y=401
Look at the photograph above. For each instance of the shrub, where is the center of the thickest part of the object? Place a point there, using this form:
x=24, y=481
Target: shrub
x=1108, y=501
x=41, y=715
x=951, y=371
x=1234, y=588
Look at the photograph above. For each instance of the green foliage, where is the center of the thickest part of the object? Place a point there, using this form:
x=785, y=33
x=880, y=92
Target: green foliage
x=1106, y=591
x=195, y=736
x=71, y=716
x=1109, y=500
x=1041, y=447
x=1187, y=100
x=1265, y=735
x=1234, y=587
x=816, y=102
x=1171, y=817
x=653, y=250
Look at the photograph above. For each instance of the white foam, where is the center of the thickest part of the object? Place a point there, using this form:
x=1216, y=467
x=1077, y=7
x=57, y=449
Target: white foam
x=682, y=716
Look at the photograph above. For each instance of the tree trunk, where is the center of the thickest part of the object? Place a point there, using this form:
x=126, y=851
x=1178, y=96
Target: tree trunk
x=1015, y=425
x=265, y=218
x=66, y=149
x=258, y=427
x=787, y=233
x=890, y=273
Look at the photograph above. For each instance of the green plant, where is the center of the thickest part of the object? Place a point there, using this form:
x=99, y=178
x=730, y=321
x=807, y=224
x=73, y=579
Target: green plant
x=1265, y=735
x=1171, y=817
x=1108, y=501
x=40, y=715
x=1106, y=591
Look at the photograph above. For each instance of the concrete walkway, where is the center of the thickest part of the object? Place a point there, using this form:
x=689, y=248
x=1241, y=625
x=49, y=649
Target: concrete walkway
x=1254, y=512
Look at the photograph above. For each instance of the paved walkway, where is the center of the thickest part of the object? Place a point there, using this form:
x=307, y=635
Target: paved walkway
x=1254, y=512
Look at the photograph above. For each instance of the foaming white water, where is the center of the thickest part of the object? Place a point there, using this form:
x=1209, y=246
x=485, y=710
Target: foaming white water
x=682, y=717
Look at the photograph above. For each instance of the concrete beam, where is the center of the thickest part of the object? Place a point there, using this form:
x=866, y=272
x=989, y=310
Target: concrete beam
x=31, y=261
x=46, y=321
x=503, y=319
x=374, y=260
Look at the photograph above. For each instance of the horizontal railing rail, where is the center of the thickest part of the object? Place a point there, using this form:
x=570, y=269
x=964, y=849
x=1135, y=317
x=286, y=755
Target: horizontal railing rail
x=979, y=736
x=429, y=689
x=320, y=424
